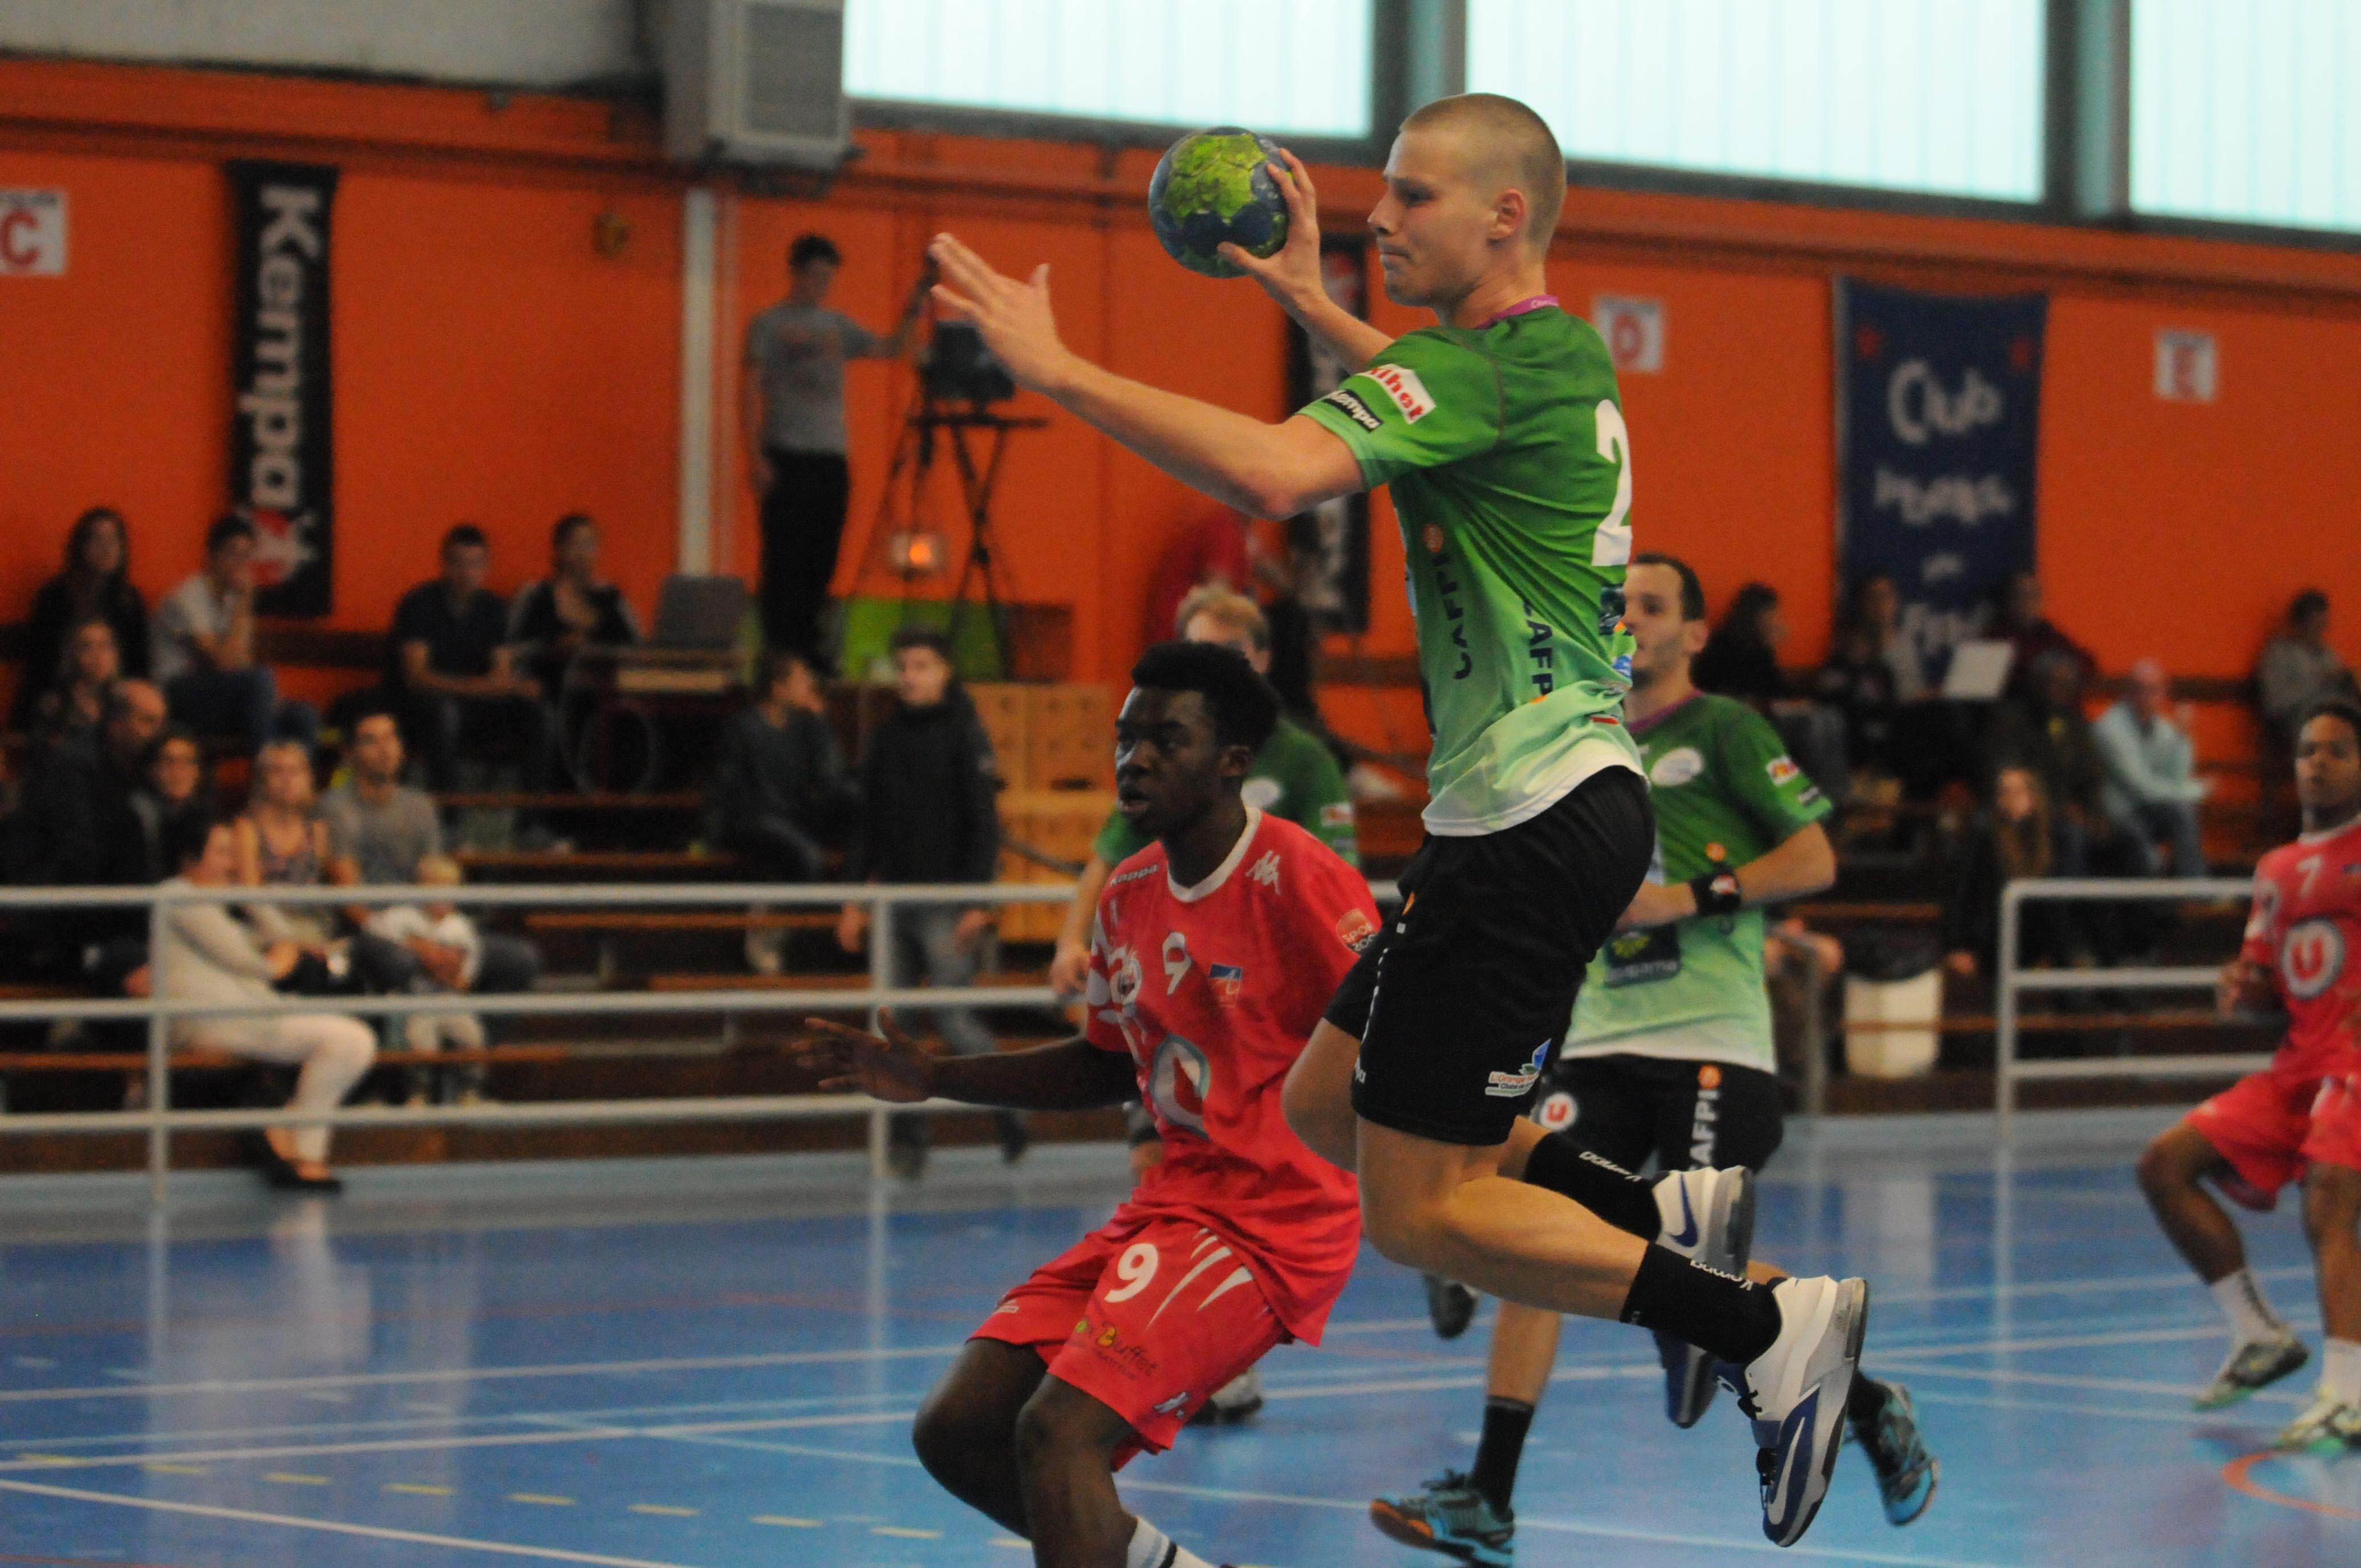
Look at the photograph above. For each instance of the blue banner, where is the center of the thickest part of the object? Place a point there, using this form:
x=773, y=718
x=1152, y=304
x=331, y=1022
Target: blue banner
x=1938, y=403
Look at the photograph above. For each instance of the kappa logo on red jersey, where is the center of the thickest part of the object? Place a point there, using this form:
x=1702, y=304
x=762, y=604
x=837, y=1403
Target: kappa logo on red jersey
x=2311, y=958
x=1403, y=385
x=1266, y=871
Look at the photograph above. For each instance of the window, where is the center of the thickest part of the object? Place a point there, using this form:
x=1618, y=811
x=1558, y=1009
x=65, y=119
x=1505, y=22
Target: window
x=2245, y=112
x=1298, y=67
x=1941, y=96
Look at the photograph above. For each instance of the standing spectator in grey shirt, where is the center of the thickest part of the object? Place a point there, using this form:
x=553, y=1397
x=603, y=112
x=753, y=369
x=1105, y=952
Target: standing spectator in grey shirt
x=791, y=408
x=378, y=830
x=203, y=649
x=2152, y=788
x=2299, y=668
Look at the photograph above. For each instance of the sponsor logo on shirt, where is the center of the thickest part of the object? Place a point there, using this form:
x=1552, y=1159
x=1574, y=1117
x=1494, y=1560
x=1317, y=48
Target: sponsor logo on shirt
x=1705, y=1126
x=1517, y=1084
x=1172, y=1406
x=1556, y=1113
x=1229, y=981
x=1782, y=768
x=2311, y=958
x=1432, y=538
x=1336, y=813
x=1266, y=871
x=1355, y=409
x=1676, y=767
x=1355, y=929
x=1403, y=385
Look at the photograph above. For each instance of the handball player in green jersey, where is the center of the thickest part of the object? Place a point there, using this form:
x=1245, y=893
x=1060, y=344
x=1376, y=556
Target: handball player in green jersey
x=1498, y=433
x=1669, y=1055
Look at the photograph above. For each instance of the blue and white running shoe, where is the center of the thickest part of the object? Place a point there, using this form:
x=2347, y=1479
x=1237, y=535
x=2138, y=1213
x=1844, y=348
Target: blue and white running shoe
x=1709, y=1216
x=1796, y=1394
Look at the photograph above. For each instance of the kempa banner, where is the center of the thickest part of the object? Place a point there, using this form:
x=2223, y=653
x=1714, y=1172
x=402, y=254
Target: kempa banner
x=282, y=442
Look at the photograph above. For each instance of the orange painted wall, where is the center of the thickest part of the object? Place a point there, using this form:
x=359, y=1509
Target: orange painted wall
x=492, y=364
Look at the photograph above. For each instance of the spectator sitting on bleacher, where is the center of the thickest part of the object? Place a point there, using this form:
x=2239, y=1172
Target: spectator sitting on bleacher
x=76, y=825
x=2011, y=841
x=379, y=829
x=570, y=609
x=95, y=582
x=2152, y=788
x=71, y=712
x=2046, y=734
x=1293, y=776
x=1742, y=659
x=451, y=666
x=175, y=790
x=2018, y=621
x=450, y=953
x=209, y=955
x=2298, y=668
x=203, y=647
x=1872, y=672
x=779, y=793
x=282, y=840
x=928, y=814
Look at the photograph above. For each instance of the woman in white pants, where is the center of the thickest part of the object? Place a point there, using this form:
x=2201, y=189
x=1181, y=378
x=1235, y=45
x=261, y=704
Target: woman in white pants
x=210, y=955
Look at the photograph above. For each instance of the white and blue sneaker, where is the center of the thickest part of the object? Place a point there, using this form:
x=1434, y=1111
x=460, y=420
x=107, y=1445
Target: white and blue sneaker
x=1708, y=1215
x=1796, y=1394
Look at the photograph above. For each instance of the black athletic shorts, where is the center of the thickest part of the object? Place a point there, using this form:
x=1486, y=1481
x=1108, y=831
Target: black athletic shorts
x=1460, y=999
x=1685, y=1112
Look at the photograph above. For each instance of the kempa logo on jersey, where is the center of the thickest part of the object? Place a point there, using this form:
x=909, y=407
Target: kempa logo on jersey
x=1355, y=409
x=1403, y=385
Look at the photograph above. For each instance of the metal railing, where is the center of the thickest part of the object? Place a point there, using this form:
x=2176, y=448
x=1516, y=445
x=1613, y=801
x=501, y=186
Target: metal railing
x=159, y=1121
x=2013, y=980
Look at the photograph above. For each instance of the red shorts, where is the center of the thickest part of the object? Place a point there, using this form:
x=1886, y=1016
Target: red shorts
x=1149, y=1320
x=2269, y=1125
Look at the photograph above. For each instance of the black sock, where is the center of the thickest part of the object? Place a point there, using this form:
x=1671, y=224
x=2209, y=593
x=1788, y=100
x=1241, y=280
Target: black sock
x=1624, y=1201
x=1727, y=1317
x=1505, y=1421
x=1866, y=1402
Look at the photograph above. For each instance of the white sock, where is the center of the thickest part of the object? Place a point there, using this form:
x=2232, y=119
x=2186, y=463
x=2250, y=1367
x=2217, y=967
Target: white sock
x=2240, y=1297
x=1152, y=1549
x=2340, y=1370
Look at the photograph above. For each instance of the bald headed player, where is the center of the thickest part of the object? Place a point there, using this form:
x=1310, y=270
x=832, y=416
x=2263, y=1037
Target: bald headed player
x=1499, y=432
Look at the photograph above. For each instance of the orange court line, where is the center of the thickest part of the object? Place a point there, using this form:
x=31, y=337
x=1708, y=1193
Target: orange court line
x=2235, y=1474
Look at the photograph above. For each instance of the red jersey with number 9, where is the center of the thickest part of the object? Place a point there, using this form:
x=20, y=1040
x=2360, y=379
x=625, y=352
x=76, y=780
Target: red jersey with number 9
x=2306, y=930
x=1212, y=991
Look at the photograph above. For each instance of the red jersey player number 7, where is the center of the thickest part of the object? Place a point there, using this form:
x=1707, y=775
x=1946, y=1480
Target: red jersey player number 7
x=1213, y=954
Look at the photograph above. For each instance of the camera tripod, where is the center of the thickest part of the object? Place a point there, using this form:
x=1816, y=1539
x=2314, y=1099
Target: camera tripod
x=962, y=428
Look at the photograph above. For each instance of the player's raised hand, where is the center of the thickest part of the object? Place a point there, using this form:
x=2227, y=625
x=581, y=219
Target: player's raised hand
x=1015, y=318
x=888, y=1066
x=1291, y=273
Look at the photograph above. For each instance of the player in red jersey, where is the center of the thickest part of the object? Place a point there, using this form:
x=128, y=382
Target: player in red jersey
x=2302, y=947
x=1216, y=950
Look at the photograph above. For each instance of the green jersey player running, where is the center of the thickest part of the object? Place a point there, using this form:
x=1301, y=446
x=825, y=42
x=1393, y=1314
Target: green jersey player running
x=1499, y=435
x=1669, y=1055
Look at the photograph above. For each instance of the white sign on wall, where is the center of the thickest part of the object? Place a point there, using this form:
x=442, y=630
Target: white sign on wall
x=32, y=234
x=1634, y=330
x=2186, y=368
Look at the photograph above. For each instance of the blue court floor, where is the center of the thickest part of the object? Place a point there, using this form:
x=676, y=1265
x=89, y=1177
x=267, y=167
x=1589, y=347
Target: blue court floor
x=714, y=1362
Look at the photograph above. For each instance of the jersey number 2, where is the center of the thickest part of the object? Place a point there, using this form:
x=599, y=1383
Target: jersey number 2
x=1613, y=546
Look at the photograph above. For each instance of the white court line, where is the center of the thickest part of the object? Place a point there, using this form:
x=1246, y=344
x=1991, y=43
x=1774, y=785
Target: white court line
x=1926, y=1396
x=2182, y=1391
x=2100, y=1287
x=476, y=1374
x=335, y=1527
x=390, y=1445
x=2061, y=1342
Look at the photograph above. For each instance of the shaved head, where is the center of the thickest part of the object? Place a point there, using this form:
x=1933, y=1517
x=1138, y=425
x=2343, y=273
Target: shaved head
x=1505, y=146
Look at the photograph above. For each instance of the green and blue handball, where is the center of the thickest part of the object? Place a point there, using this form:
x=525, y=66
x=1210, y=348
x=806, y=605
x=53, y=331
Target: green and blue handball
x=1214, y=187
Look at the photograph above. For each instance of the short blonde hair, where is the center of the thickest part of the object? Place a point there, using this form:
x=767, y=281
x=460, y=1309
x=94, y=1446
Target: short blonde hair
x=1229, y=608
x=439, y=870
x=1513, y=145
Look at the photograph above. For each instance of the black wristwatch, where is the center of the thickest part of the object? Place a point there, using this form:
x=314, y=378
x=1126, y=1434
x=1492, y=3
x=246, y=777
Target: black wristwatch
x=1717, y=892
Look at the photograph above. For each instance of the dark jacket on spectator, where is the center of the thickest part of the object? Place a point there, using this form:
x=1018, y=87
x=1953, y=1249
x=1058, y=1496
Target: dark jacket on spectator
x=1738, y=664
x=57, y=610
x=780, y=780
x=2058, y=748
x=535, y=629
x=77, y=825
x=928, y=806
x=2044, y=636
x=1971, y=910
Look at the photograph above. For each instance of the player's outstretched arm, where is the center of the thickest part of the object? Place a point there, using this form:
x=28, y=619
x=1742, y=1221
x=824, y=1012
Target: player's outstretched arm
x=1804, y=863
x=1072, y=1075
x=1266, y=470
x=1293, y=275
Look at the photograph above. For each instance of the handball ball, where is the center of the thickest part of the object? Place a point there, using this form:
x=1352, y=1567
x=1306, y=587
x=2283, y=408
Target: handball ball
x=1212, y=186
